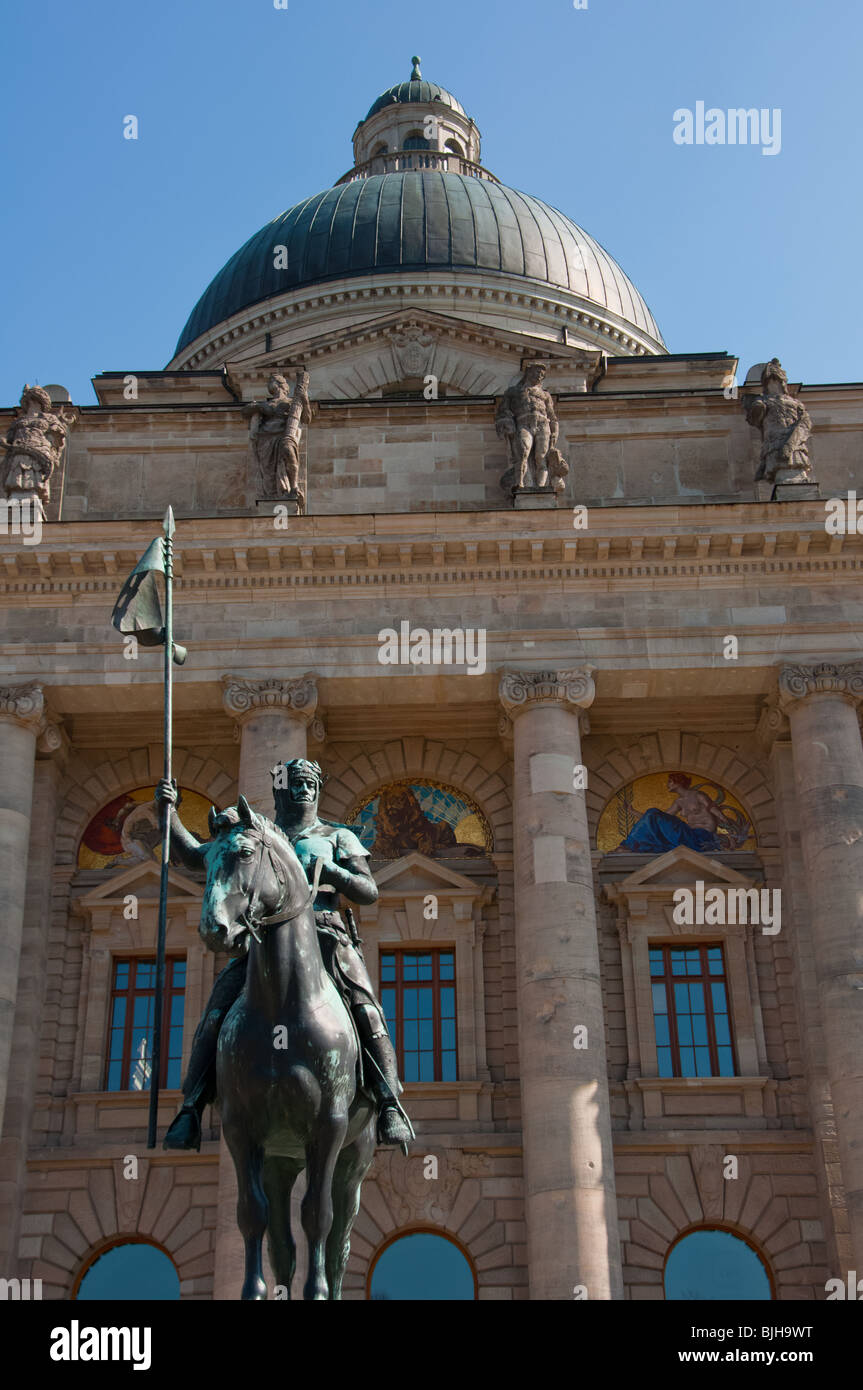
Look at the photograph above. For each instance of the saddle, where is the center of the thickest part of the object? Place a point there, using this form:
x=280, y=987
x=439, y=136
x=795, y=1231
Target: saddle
x=328, y=941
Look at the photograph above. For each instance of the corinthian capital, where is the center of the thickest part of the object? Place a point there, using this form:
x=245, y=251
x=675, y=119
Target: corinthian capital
x=824, y=678
x=520, y=690
x=23, y=704
x=243, y=698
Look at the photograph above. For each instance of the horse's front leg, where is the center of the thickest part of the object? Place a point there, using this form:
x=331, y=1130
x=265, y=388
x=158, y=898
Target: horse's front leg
x=317, y=1207
x=252, y=1209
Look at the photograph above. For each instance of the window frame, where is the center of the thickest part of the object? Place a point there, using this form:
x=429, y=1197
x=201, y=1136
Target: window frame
x=401, y=917
x=399, y=953
x=705, y=977
x=131, y=993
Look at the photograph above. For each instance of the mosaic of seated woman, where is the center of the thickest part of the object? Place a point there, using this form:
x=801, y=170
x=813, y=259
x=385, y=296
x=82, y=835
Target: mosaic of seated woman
x=694, y=819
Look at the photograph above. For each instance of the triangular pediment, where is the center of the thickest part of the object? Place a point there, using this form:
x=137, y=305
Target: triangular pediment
x=359, y=360
x=143, y=880
x=680, y=867
x=416, y=873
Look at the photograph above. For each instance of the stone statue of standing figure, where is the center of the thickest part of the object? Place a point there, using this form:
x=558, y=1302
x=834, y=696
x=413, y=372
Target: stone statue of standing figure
x=275, y=431
x=785, y=428
x=34, y=444
x=526, y=419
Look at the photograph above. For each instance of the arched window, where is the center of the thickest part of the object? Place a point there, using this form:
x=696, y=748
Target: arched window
x=714, y=1264
x=416, y=141
x=130, y=1270
x=422, y=1266
x=454, y=148
x=664, y=810
x=379, y=150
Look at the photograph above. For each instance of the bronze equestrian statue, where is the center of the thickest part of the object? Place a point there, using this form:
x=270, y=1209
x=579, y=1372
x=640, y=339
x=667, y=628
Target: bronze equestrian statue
x=289, y=1029
x=296, y=792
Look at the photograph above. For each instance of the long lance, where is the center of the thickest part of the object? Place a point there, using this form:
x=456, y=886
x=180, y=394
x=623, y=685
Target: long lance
x=161, y=938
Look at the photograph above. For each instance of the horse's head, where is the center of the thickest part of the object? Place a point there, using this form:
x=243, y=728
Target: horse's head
x=252, y=874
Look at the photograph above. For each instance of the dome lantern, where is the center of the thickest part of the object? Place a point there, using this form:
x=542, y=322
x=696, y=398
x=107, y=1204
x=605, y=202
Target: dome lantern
x=415, y=116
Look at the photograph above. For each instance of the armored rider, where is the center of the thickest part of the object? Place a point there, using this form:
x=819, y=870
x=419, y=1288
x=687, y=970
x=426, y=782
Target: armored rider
x=296, y=791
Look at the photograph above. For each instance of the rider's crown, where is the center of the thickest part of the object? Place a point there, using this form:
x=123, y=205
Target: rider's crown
x=281, y=773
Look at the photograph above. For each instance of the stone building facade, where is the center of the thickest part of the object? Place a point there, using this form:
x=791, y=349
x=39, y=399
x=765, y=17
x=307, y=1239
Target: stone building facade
x=562, y=1169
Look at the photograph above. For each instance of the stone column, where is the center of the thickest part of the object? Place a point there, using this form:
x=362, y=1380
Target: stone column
x=571, y=1206
x=22, y=711
x=274, y=718
x=775, y=737
x=32, y=977
x=821, y=703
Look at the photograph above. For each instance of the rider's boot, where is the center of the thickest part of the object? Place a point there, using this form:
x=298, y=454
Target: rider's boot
x=199, y=1090
x=382, y=1077
x=199, y=1084
x=184, y=1131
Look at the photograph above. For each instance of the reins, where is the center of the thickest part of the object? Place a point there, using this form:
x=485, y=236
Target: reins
x=276, y=918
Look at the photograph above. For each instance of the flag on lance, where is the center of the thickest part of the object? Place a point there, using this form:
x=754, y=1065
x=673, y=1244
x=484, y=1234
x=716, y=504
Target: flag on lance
x=138, y=613
x=138, y=610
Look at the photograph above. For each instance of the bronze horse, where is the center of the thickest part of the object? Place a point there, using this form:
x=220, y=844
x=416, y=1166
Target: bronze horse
x=287, y=1059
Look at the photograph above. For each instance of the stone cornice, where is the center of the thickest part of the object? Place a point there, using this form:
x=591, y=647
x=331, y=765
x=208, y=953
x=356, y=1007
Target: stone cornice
x=243, y=698
x=798, y=683
x=635, y=544
x=595, y=325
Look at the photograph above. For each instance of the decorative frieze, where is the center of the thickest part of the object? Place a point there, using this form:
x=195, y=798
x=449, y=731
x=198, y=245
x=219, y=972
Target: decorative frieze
x=447, y=548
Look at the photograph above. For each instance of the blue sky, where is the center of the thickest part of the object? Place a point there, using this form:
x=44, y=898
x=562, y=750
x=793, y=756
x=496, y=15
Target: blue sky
x=245, y=109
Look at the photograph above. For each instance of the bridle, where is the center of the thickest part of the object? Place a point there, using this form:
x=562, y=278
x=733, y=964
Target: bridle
x=277, y=918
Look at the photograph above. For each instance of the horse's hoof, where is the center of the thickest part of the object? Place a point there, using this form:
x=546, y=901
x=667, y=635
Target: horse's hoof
x=254, y=1291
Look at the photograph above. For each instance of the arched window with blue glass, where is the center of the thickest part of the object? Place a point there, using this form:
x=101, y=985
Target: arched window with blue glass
x=712, y=1264
x=422, y=1265
x=129, y=1270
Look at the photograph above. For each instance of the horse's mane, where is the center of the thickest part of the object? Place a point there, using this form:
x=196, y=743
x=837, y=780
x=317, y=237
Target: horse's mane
x=230, y=818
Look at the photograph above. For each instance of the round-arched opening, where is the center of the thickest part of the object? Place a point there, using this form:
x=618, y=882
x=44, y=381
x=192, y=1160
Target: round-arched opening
x=422, y=1266
x=659, y=811
x=129, y=1270
x=712, y=1263
x=416, y=141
